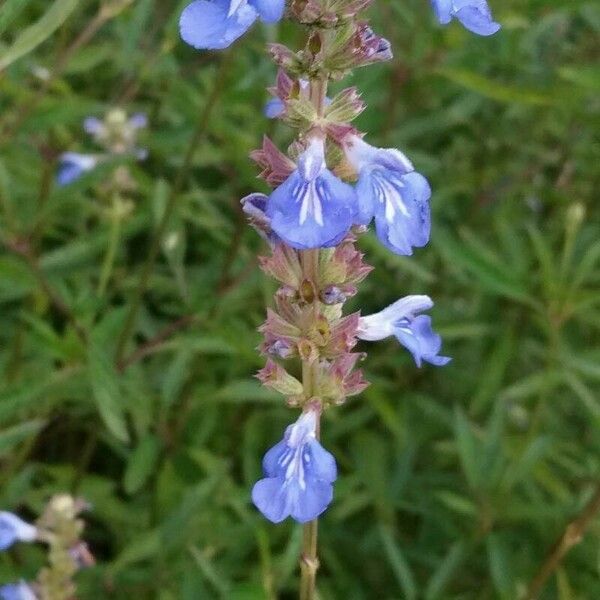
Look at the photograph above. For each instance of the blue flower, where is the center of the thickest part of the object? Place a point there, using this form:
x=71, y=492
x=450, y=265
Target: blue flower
x=216, y=24
x=475, y=15
x=299, y=475
x=73, y=166
x=274, y=108
x=13, y=529
x=17, y=591
x=390, y=191
x=413, y=331
x=312, y=208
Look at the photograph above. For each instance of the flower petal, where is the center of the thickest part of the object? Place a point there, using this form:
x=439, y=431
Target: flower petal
x=208, y=26
x=271, y=497
x=92, y=125
x=380, y=325
x=443, y=10
x=419, y=338
x=478, y=18
x=73, y=165
x=270, y=11
x=274, y=108
x=312, y=214
x=273, y=458
x=319, y=462
x=308, y=502
x=13, y=528
x=17, y=591
x=402, y=214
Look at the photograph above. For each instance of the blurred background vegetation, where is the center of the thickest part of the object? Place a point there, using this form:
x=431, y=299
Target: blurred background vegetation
x=455, y=482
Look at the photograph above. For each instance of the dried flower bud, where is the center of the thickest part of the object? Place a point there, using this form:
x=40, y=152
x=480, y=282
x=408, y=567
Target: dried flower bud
x=276, y=377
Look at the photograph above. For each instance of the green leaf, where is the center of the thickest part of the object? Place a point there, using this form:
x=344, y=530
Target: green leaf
x=496, y=90
x=14, y=435
x=35, y=34
x=10, y=10
x=141, y=548
x=103, y=376
x=442, y=576
x=399, y=565
x=585, y=76
x=500, y=567
x=141, y=464
x=487, y=266
x=467, y=448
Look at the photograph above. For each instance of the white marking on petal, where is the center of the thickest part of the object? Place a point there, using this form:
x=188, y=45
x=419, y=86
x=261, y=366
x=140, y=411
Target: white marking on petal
x=234, y=6
x=310, y=203
x=388, y=193
x=380, y=325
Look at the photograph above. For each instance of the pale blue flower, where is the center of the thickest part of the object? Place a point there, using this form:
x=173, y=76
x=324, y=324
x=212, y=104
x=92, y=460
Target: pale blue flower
x=312, y=208
x=393, y=193
x=274, y=108
x=73, y=165
x=17, y=591
x=475, y=15
x=216, y=24
x=299, y=475
x=14, y=529
x=413, y=331
x=93, y=125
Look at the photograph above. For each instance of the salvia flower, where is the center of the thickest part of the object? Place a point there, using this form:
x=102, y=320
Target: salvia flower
x=412, y=330
x=312, y=208
x=393, y=193
x=14, y=529
x=299, y=475
x=17, y=591
x=216, y=24
x=274, y=108
x=116, y=134
x=475, y=15
x=73, y=165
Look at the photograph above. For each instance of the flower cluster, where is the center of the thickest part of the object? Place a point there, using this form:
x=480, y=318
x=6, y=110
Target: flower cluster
x=328, y=189
x=60, y=529
x=116, y=135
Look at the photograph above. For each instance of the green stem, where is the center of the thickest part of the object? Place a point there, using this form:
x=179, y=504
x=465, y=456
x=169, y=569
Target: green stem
x=168, y=211
x=309, y=561
x=116, y=218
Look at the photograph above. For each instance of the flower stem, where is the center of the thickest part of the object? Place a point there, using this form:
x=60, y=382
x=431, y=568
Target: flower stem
x=309, y=562
x=111, y=251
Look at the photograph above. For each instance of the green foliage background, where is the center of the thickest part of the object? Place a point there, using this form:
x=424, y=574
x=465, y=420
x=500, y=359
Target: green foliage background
x=454, y=482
